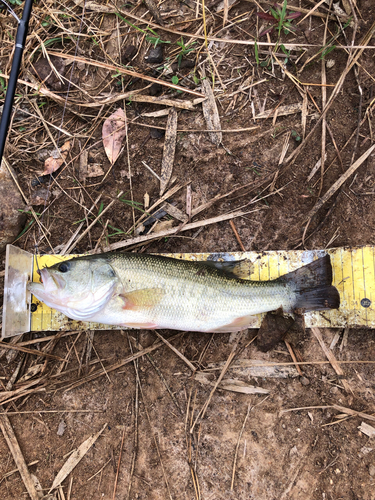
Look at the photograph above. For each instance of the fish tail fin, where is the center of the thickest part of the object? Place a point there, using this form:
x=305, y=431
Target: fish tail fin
x=312, y=285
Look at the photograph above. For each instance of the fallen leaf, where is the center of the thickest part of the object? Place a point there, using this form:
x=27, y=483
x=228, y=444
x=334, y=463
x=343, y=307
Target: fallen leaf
x=57, y=158
x=169, y=150
x=94, y=170
x=75, y=458
x=83, y=161
x=61, y=428
x=233, y=385
x=367, y=429
x=256, y=368
x=114, y=130
x=287, y=109
x=162, y=226
x=40, y=196
x=211, y=114
x=31, y=372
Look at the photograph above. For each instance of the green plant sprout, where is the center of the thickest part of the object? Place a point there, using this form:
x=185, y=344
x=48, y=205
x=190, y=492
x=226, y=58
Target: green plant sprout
x=46, y=22
x=196, y=79
x=116, y=230
x=256, y=53
x=184, y=50
x=296, y=135
x=154, y=38
x=282, y=21
x=3, y=86
x=135, y=204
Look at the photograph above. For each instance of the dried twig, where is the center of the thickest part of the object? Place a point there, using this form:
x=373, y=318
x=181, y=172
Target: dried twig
x=238, y=444
x=211, y=114
x=151, y=426
x=15, y=449
x=316, y=331
x=231, y=356
x=169, y=150
x=35, y=352
x=293, y=356
x=124, y=71
x=176, y=351
x=340, y=182
x=175, y=230
x=118, y=463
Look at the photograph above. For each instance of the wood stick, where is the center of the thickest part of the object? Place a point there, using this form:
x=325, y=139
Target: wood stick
x=176, y=351
x=293, y=356
x=15, y=449
x=332, y=190
x=121, y=69
x=177, y=229
x=238, y=444
x=15, y=347
x=340, y=372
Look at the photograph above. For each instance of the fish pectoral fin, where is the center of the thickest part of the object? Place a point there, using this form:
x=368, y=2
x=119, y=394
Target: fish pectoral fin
x=142, y=299
x=238, y=324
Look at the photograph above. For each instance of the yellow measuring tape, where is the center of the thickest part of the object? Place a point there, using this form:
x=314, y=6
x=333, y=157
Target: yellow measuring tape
x=353, y=276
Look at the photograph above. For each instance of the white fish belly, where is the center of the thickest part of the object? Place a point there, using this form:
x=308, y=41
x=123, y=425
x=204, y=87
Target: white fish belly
x=198, y=308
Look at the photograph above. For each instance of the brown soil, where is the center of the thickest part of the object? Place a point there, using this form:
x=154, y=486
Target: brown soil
x=307, y=453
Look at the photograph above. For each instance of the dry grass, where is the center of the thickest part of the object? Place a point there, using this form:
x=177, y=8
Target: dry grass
x=228, y=98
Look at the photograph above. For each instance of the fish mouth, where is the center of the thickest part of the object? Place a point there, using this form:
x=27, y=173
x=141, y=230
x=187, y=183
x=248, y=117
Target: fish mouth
x=50, y=283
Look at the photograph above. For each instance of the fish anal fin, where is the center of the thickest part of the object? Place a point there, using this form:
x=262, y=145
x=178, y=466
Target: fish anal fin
x=142, y=299
x=141, y=326
x=240, y=323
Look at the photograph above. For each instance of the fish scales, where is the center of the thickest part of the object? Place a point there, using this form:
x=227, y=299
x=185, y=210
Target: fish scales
x=195, y=294
x=149, y=291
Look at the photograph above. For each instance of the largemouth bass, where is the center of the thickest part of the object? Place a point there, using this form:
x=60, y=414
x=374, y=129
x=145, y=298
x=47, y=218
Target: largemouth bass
x=149, y=291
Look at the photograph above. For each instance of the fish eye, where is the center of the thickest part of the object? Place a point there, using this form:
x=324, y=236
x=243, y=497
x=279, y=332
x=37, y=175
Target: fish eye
x=63, y=267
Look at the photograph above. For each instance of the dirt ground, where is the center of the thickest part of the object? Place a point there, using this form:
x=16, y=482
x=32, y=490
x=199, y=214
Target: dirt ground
x=154, y=443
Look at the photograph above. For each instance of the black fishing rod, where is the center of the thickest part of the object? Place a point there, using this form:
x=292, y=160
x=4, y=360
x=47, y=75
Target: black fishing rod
x=23, y=25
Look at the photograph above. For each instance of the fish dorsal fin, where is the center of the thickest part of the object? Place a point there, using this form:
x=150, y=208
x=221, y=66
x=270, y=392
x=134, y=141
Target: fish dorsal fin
x=236, y=269
x=142, y=299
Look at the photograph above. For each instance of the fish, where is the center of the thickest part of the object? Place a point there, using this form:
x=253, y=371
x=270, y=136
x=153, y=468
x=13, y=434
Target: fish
x=150, y=291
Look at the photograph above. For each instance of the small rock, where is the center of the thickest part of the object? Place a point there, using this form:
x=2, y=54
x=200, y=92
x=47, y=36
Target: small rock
x=46, y=74
x=156, y=133
x=40, y=196
x=293, y=451
x=38, y=181
x=128, y=53
x=371, y=470
x=61, y=428
x=11, y=219
x=304, y=381
x=366, y=450
x=155, y=55
x=155, y=89
x=185, y=64
x=272, y=330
